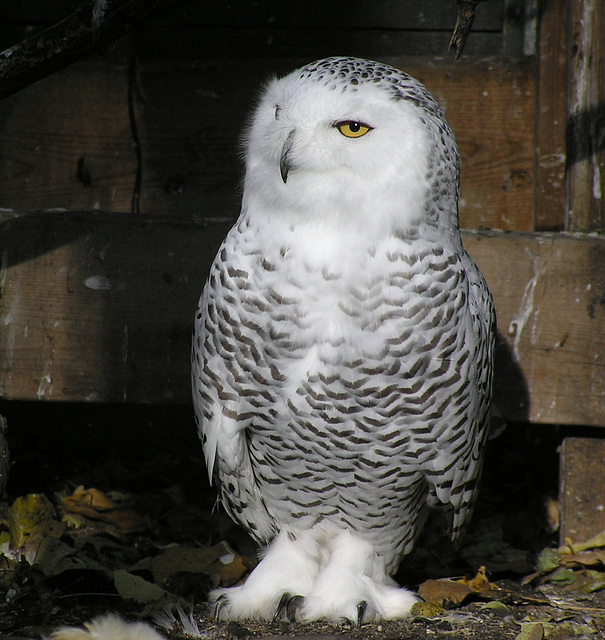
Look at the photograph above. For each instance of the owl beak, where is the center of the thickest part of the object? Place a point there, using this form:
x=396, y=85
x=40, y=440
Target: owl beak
x=285, y=161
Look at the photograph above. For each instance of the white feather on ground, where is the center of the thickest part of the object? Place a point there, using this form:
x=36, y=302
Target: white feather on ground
x=110, y=627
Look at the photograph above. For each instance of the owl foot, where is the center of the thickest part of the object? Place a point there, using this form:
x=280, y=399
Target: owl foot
x=292, y=608
x=286, y=569
x=358, y=603
x=354, y=586
x=289, y=605
x=334, y=573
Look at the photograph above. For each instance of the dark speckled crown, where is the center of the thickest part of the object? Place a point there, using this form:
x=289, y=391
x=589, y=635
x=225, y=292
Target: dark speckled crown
x=347, y=74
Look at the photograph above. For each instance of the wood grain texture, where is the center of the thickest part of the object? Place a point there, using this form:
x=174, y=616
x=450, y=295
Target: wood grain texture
x=550, y=302
x=190, y=117
x=312, y=29
x=581, y=478
x=99, y=307
x=551, y=120
x=490, y=107
x=586, y=117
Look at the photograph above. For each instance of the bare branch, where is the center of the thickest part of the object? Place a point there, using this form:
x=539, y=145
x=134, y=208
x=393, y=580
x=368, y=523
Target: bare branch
x=81, y=33
x=464, y=22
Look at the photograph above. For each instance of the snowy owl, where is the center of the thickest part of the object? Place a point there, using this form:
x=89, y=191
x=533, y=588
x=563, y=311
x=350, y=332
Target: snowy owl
x=343, y=344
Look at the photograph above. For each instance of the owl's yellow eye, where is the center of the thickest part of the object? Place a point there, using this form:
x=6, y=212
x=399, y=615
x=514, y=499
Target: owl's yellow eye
x=352, y=129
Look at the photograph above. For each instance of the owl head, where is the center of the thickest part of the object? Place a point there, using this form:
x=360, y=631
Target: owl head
x=350, y=141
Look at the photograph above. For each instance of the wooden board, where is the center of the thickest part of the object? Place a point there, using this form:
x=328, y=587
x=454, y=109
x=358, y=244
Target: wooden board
x=582, y=478
x=551, y=119
x=312, y=28
x=550, y=301
x=190, y=116
x=99, y=307
x=586, y=117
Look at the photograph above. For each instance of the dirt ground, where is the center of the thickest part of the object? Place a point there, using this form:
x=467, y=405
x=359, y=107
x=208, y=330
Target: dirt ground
x=147, y=462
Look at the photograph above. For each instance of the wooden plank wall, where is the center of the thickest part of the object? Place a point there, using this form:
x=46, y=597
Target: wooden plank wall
x=96, y=302
x=99, y=307
x=67, y=140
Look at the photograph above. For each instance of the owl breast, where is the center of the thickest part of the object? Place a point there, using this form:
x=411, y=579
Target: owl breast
x=340, y=361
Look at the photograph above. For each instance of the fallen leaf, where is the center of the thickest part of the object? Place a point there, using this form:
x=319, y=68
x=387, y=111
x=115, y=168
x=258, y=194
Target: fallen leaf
x=583, y=558
x=531, y=631
x=450, y=591
x=30, y=519
x=480, y=583
x=220, y=562
x=427, y=610
x=94, y=505
x=443, y=591
x=548, y=560
x=562, y=577
x=496, y=606
x=94, y=498
x=593, y=543
x=565, y=630
x=586, y=581
x=132, y=587
x=54, y=557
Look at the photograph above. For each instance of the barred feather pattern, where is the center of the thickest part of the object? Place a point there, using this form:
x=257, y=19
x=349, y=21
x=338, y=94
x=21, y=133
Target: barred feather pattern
x=381, y=417
x=342, y=370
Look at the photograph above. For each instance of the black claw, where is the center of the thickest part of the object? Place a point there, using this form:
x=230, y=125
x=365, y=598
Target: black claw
x=294, y=604
x=219, y=605
x=361, y=609
x=282, y=606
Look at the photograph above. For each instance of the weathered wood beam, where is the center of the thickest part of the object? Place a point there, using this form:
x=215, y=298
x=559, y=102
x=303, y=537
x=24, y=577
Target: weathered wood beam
x=67, y=143
x=78, y=35
x=99, y=307
x=586, y=116
x=551, y=118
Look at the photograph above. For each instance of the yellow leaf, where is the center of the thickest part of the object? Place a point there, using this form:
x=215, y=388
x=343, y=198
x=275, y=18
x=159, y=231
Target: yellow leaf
x=93, y=498
x=480, y=583
x=427, y=609
x=32, y=516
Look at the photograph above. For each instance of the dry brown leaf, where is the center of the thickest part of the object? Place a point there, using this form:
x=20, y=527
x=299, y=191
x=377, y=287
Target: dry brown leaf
x=584, y=558
x=220, y=562
x=93, y=497
x=55, y=557
x=95, y=505
x=443, y=590
x=451, y=591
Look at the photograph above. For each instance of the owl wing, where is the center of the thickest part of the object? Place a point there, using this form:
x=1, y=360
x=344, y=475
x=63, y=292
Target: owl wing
x=222, y=414
x=457, y=468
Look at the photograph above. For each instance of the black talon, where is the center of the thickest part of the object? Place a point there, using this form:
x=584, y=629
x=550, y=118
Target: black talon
x=282, y=606
x=294, y=603
x=361, y=609
x=221, y=602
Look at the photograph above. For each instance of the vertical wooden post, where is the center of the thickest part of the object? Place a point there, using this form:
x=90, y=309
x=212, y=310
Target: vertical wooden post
x=551, y=116
x=586, y=116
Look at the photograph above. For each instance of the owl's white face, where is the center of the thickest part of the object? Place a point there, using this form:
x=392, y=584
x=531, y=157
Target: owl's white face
x=302, y=160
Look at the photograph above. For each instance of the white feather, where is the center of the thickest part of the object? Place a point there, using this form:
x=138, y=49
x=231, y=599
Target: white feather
x=110, y=627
